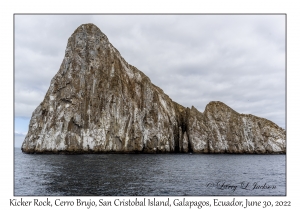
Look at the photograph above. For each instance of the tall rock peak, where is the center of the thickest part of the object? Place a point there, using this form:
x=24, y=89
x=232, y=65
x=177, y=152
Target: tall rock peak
x=97, y=103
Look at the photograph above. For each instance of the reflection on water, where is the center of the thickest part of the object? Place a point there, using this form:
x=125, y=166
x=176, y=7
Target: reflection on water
x=149, y=174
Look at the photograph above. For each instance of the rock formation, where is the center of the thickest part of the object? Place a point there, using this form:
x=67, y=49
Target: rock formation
x=97, y=103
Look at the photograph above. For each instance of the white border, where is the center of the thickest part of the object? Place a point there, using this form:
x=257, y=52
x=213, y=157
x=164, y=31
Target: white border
x=8, y=8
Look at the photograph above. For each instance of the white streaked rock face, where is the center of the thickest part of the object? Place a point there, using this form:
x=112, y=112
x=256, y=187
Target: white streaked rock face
x=220, y=129
x=97, y=102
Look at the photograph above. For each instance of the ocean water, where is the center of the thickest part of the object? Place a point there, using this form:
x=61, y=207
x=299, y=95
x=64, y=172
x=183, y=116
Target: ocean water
x=149, y=175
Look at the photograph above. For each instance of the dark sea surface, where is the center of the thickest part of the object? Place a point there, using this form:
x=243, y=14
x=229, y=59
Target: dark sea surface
x=148, y=174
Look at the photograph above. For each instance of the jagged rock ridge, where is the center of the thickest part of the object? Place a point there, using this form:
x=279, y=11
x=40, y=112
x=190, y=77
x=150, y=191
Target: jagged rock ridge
x=97, y=102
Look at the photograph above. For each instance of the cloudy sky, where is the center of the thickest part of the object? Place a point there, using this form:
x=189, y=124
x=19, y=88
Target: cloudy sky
x=195, y=59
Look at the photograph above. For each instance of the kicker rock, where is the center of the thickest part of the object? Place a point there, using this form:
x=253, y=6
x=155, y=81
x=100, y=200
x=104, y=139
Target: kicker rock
x=97, y=102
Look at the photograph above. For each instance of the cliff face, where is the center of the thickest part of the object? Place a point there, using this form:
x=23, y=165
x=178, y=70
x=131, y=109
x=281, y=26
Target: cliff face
x=97, y=102
x=220, y=129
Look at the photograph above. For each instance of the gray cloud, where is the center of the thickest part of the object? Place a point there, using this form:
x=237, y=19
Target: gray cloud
x=195, y=59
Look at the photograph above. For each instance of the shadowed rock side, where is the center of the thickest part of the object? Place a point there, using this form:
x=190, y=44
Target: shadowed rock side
x=97, y=103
